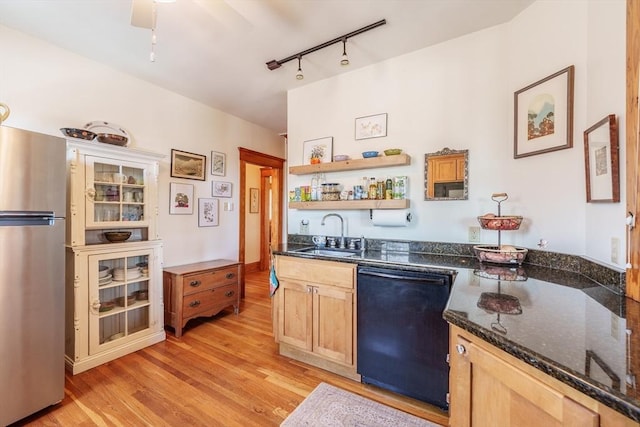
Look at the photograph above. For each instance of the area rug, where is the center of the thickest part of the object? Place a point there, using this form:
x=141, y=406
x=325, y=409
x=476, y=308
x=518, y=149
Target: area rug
x=328, y=406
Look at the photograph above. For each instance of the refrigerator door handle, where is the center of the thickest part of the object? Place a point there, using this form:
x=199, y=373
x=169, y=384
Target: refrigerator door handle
x=19, y=218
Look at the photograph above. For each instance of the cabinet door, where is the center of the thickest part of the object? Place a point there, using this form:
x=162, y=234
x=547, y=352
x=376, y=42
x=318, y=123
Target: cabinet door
x=119, y=301
x=116, y=192
x=488, y=391
x=333, y=323
x=295, y=314
x=460, y=169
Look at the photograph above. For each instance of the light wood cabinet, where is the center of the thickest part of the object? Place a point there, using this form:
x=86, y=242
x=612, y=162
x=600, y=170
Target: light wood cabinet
x=316, y=313
x=200, y=290
x=490, y=387
x=444, y=169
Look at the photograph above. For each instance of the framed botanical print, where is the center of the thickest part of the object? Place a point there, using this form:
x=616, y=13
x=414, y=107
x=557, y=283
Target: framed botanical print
x=221, y=189
x=218, y=163
x=371, y=126
x=208, y=212
x=254, y=200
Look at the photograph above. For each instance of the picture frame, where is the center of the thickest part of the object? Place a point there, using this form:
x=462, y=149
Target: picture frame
x=208, y=212
x=374, y=126
x=180, y=198
x=188, y=165
x=218, y=163
x=317, y=150
x=221, y=189
x=543, y=115
x=254, y=200
x=602, y=161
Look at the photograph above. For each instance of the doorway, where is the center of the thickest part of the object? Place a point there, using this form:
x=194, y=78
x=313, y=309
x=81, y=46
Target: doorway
x=268, y=229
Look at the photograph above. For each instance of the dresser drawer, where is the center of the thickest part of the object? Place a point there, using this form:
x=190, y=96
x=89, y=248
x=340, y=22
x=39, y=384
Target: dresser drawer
x=201, y=302
x=317, y=272
x=207, y=280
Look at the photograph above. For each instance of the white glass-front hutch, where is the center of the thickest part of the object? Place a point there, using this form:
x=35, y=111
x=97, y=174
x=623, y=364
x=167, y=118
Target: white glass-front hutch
x=114, y=290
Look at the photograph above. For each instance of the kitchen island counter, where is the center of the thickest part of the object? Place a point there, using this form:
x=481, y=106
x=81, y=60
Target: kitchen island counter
x=562, y=323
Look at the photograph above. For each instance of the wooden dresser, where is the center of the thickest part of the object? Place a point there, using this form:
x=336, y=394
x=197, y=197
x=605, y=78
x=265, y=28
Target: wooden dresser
x=198, y=290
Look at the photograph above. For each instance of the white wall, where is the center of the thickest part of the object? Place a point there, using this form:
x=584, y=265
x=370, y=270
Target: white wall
x=459, y=94
x=48, y=88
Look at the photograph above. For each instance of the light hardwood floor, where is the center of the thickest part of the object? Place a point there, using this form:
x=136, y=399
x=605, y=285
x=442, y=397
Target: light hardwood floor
x=224, y=371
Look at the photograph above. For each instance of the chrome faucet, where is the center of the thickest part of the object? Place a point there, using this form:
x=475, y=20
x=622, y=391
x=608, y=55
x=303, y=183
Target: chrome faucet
x=342, y=244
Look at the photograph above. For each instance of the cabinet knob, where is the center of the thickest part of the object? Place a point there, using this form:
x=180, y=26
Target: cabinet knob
x=229, y=293
x=230, y=275
x=194, y=303
x=461, y=349
x=194, y=283
x=309, y=289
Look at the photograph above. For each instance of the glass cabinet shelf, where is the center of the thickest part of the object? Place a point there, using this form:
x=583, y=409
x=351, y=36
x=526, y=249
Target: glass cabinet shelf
x=123, y=295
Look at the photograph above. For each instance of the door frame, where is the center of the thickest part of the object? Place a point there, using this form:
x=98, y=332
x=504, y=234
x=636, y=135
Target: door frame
x=277, y=165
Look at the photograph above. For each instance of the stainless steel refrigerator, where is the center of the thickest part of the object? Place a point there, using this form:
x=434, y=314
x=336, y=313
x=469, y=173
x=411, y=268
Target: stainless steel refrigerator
x=32, y=259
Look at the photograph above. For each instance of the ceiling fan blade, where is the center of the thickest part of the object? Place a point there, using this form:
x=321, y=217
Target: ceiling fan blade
x=142, y=14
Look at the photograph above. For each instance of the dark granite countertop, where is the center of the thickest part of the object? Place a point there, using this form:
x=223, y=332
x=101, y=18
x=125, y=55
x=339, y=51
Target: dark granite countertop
x=569, y=326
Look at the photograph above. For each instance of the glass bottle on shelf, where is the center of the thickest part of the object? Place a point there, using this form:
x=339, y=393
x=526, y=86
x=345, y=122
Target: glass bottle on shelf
x=373, y=189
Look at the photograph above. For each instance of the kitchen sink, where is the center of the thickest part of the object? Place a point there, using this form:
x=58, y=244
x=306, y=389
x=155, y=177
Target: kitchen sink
x=341, y=253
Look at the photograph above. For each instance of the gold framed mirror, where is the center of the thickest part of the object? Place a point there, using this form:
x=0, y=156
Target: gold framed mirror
x=446, y=175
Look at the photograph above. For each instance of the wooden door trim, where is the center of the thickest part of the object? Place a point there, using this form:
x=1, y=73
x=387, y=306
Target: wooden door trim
x=265, y=160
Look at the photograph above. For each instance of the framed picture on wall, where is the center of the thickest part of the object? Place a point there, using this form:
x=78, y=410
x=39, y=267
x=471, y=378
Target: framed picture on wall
x=543, y=115
x=180, y=199
x=254, y=200
x=371, y=126
x=317, y=150
x=601, y=155
x=208, y=212
x=187, y=165
x=218, y=163
x=221, y=189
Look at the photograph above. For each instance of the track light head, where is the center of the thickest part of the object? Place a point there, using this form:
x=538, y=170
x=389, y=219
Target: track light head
x=299, y=74
x=345, y=59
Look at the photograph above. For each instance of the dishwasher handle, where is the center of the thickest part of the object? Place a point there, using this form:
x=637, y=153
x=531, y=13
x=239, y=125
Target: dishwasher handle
x=435, y=279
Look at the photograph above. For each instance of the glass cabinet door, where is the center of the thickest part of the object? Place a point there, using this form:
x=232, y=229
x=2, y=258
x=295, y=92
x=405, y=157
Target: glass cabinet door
x=119, y=297
x=116, y=192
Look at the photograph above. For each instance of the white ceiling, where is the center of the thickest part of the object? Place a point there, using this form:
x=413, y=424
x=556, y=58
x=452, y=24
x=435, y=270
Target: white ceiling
x=214, y=51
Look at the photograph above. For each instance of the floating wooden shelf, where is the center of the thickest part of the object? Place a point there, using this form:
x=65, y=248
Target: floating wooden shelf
x=350, y=165
x=351, y=204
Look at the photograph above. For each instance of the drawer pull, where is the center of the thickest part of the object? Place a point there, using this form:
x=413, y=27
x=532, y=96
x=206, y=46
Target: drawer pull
x=229, y=293
x=194, y=303
x=195, y=283
x=230, y=275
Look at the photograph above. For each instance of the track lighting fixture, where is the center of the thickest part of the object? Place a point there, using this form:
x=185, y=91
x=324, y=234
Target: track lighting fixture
x=299, y=74
x=345, y=58
x=274, y=64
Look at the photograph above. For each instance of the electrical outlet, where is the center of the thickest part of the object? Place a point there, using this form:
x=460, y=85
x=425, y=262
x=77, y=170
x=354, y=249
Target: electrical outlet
x=474, y=234
x=615, y=249
x=304, y=226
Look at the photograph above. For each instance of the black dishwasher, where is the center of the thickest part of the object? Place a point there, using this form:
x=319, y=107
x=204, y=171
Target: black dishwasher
x=402, y=338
